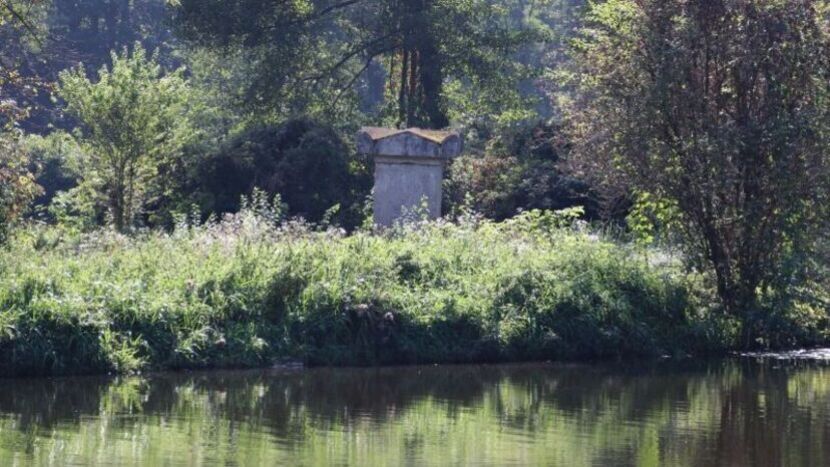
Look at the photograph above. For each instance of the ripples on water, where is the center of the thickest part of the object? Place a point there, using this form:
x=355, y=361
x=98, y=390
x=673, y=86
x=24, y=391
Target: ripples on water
x=743, y=411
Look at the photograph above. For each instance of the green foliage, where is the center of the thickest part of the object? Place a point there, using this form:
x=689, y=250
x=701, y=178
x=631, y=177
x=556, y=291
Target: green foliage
x=719, y=111
x=710, y=116
x=17, y=173
x=519, y=170
x=249, y=290
x=91, y=29
x=314, y=55
x=135, y=121
x=652, y=218
x=58, y=158
x=17, y=182
x=306, y=163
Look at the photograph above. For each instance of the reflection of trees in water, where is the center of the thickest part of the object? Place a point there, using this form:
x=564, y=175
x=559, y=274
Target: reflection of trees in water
x=763, y=422
x=735, y=413
x=43, y=402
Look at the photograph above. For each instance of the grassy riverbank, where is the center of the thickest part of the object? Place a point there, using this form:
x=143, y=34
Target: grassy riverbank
x=249, y=292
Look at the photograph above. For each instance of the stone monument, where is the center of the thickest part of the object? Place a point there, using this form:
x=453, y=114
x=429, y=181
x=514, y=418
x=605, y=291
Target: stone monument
x=409, y=167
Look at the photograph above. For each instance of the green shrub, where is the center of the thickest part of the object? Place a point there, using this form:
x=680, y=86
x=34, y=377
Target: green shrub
x=306, y=163
x=17, y=182
x=248, y=291
x=519, y=170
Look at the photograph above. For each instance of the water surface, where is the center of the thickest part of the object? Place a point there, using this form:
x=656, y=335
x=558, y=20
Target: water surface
x=745, y=411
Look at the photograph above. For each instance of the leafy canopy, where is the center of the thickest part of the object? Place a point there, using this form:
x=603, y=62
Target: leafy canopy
x=720, y=109
x=315, y=54
x=135, y=120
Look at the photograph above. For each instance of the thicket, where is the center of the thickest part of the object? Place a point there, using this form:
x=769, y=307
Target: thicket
x=252, y=290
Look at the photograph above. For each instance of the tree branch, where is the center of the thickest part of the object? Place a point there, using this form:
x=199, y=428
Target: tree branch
x=351, y=82
x=357, y=50
x=336, y=6
x=20, y=19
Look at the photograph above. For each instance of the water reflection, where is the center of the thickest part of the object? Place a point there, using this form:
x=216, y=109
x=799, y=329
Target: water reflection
x=737, y=412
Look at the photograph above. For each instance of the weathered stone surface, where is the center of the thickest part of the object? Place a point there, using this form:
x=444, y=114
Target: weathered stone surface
x=400, y=187
x=412, y=142
x=409, y=167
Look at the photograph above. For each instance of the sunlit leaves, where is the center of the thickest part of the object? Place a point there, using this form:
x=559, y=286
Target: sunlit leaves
x=134, y=119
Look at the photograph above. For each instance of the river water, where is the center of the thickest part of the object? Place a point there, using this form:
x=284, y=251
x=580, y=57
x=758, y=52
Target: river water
x=742, y=411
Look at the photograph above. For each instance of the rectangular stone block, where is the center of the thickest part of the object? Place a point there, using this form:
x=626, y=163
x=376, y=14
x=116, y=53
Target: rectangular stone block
x=409, y=168
x=400, y=187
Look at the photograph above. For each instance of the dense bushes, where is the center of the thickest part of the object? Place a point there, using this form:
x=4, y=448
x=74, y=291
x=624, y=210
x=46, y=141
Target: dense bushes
x=519, y=170
x=247, y=291
x=306, y=163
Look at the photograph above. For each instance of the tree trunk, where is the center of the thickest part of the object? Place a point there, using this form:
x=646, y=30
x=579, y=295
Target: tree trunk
x=129, y=214
x=422, y=77
x=737, y=289
x=432, y=82
x=118, y=196
x=402, y=96
x=117, y=206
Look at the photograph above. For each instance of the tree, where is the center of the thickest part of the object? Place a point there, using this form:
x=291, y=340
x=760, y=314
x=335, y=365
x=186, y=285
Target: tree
x=134, y=121
x=18, y=11
x=18, y=25
x=719, y=108
x=309, y=50
x=17, y=178
x=42, y=38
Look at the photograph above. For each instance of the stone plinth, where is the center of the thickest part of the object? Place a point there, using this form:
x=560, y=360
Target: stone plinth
x=409, y=167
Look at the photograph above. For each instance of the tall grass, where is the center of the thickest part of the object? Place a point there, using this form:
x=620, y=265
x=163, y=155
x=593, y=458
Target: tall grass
x=250, y=290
